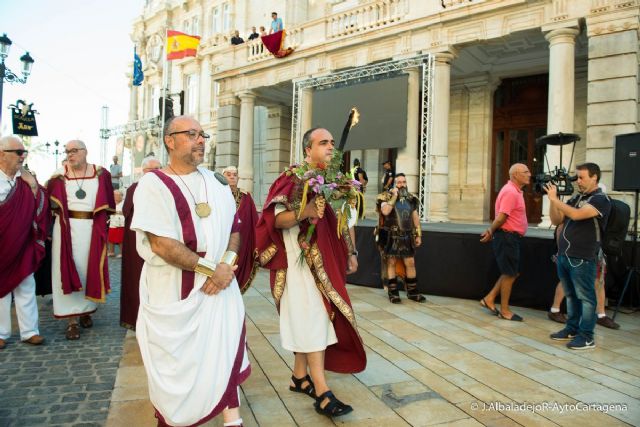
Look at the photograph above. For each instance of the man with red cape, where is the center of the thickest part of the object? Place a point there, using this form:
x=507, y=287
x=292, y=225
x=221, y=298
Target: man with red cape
x=248, y=216
x=23, y=226
x=81, y=197
x=131, y=261
x=317, y=321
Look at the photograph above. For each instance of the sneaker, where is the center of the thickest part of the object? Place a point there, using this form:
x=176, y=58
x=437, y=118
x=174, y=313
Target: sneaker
x=607, y=322
x=581, y=343
x=562, y=335
x=557, y=317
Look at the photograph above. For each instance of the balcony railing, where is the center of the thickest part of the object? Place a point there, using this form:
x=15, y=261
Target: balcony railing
x=366, y=17
x=256, y=50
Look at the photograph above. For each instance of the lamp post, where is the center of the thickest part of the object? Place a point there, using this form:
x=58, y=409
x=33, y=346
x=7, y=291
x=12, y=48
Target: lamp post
x=8, y=75
x=56, y=152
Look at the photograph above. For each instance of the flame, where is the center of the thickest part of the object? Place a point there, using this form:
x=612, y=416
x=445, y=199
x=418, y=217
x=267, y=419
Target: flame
x=356, y=116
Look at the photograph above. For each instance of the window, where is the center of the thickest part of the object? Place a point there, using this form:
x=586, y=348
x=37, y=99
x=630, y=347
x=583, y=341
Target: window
x=192, y=93
x=186, y=27
x=216, y=95
x=154, y=109
x=215, y=21
x=195, y=26
x=226, y=17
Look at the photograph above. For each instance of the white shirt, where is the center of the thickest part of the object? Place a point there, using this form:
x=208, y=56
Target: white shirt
x=6, y=184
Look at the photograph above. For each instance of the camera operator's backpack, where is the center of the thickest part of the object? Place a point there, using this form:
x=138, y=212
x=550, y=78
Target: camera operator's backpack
x=617, y=226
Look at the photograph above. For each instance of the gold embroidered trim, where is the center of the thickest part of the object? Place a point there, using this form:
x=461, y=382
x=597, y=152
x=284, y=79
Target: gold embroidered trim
x=245, y=286
x=314, y=258
x=278, y=286
x=267, y=254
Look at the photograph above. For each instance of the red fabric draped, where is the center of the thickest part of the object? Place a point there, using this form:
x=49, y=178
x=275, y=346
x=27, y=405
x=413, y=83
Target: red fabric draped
x=131, y=267
x=274, y=44
x=97, y=282
x=23, y=227
x=347, y=355
x=246, y=258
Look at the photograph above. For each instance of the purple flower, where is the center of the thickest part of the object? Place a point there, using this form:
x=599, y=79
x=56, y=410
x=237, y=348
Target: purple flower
x=316, y=188
x=333, y=186
x=308, y=174
x=320, y=179
x=356, y=182
x=312, y=182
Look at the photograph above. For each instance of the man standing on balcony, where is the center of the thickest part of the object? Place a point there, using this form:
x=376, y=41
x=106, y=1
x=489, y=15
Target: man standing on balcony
x=236, y=39
x=254, y=34
x=276, y=24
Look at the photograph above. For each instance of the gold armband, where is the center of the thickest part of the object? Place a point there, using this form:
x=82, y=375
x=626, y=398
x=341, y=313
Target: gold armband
x=417, y=232
x=205, y=266
x=229, y=258
x=393, y=200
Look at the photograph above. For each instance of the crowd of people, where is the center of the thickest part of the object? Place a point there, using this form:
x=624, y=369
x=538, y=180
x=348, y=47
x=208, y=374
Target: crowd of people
x=191, y=242
x=275, y=26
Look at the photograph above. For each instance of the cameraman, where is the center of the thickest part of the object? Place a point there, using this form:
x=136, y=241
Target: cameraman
x=584, y=217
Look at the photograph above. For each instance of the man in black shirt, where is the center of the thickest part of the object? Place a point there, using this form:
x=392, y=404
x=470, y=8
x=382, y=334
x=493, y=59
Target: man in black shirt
x=236, y=39
x=388, y=176
x=254, y=34
x=584, y=218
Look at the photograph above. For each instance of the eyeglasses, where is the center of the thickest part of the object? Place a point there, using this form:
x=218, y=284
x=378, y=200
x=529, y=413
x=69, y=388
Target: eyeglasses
x=19, y=152
x=193, y=134
x=73, y=151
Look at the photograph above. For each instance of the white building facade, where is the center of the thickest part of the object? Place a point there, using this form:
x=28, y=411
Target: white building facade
x=503, y=72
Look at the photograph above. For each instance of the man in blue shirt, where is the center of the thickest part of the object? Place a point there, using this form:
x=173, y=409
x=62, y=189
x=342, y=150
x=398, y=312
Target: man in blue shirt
x=276, y=24
x=584, y=218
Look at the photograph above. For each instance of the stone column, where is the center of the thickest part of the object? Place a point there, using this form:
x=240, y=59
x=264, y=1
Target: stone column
x=408, y=160
x=133, y=102
x=278, y=148
x=561, y=98
x=439, y=209
x=245, y=159
x=227, y=136
x=304, y=121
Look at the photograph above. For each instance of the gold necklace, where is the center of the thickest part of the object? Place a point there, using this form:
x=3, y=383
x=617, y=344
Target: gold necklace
x=203, y=209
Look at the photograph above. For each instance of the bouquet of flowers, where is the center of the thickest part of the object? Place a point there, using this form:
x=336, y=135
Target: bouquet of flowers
x=329, y=184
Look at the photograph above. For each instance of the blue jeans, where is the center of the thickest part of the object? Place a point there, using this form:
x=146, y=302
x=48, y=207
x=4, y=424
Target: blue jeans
x=578, y=277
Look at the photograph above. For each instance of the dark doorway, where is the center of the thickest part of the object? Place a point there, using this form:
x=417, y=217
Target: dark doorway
x=519, y=117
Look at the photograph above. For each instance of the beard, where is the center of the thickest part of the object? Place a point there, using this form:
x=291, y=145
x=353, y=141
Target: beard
x=403, y=192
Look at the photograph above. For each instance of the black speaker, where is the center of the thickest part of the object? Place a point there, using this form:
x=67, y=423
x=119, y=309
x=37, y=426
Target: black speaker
x=626, y=165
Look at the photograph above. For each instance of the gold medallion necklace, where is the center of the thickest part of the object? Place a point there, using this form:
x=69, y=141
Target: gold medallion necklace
x=203, y=209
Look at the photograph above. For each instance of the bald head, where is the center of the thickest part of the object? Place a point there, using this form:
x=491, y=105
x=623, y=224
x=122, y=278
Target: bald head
x=10, y=161
x=150, y=163
x=519, y=174
x=76, y=151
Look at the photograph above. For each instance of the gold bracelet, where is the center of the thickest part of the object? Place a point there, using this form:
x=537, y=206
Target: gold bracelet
x=418, y=232
x=229, y=258
x=205, y=266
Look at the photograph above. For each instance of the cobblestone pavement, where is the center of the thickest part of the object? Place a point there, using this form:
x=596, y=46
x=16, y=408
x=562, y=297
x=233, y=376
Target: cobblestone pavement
x=63, y=382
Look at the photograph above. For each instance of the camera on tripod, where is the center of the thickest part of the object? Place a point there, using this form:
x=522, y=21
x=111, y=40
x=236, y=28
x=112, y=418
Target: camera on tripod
x=559, y=177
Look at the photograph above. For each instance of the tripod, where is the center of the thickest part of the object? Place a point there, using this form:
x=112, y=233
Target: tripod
x=632, y=269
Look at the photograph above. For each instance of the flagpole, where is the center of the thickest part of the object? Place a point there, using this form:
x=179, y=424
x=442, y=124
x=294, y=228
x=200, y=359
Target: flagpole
x=165, y=73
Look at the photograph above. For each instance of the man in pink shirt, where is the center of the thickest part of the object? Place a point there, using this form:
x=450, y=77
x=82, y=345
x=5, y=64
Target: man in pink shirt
x=506, y=231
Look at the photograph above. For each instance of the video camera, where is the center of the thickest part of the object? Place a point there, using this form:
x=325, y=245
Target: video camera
x=559, y=177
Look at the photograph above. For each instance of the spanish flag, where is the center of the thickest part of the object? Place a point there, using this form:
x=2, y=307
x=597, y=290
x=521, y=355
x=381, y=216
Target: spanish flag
x=181, y=45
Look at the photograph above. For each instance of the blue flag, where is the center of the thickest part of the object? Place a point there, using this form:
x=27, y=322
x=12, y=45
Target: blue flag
x=138, y=75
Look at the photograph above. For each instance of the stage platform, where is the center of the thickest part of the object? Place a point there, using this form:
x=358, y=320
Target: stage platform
x=447, y=362
x=452, y=262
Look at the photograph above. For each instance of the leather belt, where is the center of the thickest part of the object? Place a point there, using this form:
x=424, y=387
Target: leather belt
x=81, y=214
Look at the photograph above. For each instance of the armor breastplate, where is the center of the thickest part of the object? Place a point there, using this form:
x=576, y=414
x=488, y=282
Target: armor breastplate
x=403, y=210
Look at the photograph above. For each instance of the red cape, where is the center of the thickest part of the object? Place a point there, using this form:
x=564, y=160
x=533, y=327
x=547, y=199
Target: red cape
x=131, y=267
x=23, y=227
x=328, y=260
x=247, y=265
x=97, y=283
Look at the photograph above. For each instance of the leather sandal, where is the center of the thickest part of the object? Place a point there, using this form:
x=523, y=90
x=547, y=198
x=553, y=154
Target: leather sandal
x=85, y=321
x=297, y=387
x=411, y=286
x=73, y=332
x=333, y=408
x=392, y=291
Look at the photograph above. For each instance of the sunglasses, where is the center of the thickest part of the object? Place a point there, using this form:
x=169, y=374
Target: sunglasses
x=20, y=153
x=73, y=150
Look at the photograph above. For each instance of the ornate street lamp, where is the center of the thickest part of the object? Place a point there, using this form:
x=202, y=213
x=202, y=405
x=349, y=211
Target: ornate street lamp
x=8, y=75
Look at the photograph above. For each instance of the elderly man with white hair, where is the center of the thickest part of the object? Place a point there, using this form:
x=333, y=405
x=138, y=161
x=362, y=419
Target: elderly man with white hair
x=248, y=217
x=81, y=197
x=131, y=261
x=23, y=223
